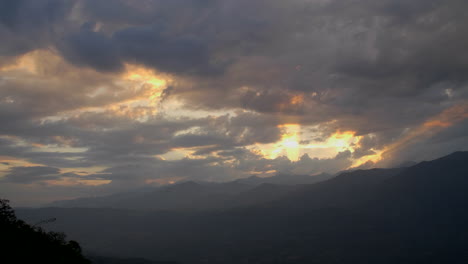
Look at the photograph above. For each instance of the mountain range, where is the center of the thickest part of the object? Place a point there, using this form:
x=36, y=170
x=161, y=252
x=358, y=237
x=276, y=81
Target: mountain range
x=196, y=196
x=416, y=214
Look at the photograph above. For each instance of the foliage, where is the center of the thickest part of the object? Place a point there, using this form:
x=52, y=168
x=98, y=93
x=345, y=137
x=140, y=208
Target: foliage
x=22, y=243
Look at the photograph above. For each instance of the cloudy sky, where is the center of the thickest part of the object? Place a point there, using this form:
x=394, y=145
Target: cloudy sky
x=102, y=96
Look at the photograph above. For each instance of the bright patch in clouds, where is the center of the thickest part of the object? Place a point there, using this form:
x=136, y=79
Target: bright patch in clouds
x=148, y=80
x=290, y=142
x=293, y=147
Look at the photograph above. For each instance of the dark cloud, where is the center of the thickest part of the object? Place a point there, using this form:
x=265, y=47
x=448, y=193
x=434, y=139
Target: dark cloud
x=31, y=174
x=145, y=45
x=9, y=13
x=26, y=25
x=149, y=46
x=39, y=13
x=93, y=49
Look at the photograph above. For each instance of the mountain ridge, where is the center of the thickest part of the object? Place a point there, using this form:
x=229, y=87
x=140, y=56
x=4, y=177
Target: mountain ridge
x=405, y=215
x=192, y=195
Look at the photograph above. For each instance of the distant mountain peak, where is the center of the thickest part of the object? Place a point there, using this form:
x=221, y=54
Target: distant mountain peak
x=458, y=155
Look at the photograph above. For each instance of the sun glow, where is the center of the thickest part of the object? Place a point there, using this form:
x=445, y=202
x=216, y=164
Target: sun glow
x=290, y=141
x=147, y=79
x=343, y=140
x=292, y=146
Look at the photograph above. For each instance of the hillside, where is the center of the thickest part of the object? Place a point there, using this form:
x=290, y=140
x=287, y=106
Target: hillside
x=23, y=243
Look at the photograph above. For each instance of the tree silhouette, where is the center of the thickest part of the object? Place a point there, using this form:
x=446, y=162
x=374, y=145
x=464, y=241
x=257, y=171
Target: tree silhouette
x=22, y=243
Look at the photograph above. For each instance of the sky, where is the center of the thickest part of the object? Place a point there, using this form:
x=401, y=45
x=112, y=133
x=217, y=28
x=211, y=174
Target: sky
x=101, y=96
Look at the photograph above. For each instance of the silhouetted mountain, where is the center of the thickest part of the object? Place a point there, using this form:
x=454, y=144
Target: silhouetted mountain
x=285, y=179
x=407, y=164
x=406, y=215
x=183, y=196
x=196, y=196
x=344, y=190
x=261, y=194
x=426, y=186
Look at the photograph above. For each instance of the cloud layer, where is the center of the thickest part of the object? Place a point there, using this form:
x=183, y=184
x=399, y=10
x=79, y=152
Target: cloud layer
x=118, y=94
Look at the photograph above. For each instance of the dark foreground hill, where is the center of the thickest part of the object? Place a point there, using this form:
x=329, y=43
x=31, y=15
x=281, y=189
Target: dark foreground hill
x=107, y=260
x=23, y=243
x=411, y=215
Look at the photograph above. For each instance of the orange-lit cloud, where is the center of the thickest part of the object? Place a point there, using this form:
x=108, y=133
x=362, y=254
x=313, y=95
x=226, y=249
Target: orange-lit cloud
x=7, y=161
x=149, y=80
x=142, y=92
x=432, y=126
x=372, y=159
x=292, y=102
x=449, y=117
x=79, y=181
x=133, y=93
x=27, y=62
x=297, y=99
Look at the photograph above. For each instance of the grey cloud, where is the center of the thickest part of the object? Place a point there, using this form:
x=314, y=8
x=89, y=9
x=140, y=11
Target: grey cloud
x=196, y=140
x=137, y=173
x=31, y=174
x=93, y=49
x=26, y=25
x=110, y=140
x=142, y=12
x=347, y=56
x=148, y=45
x=9, y=11
x=29, y=25
x=158, y=136
x=238, y=152
x=22, y=13
x=10, y=148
